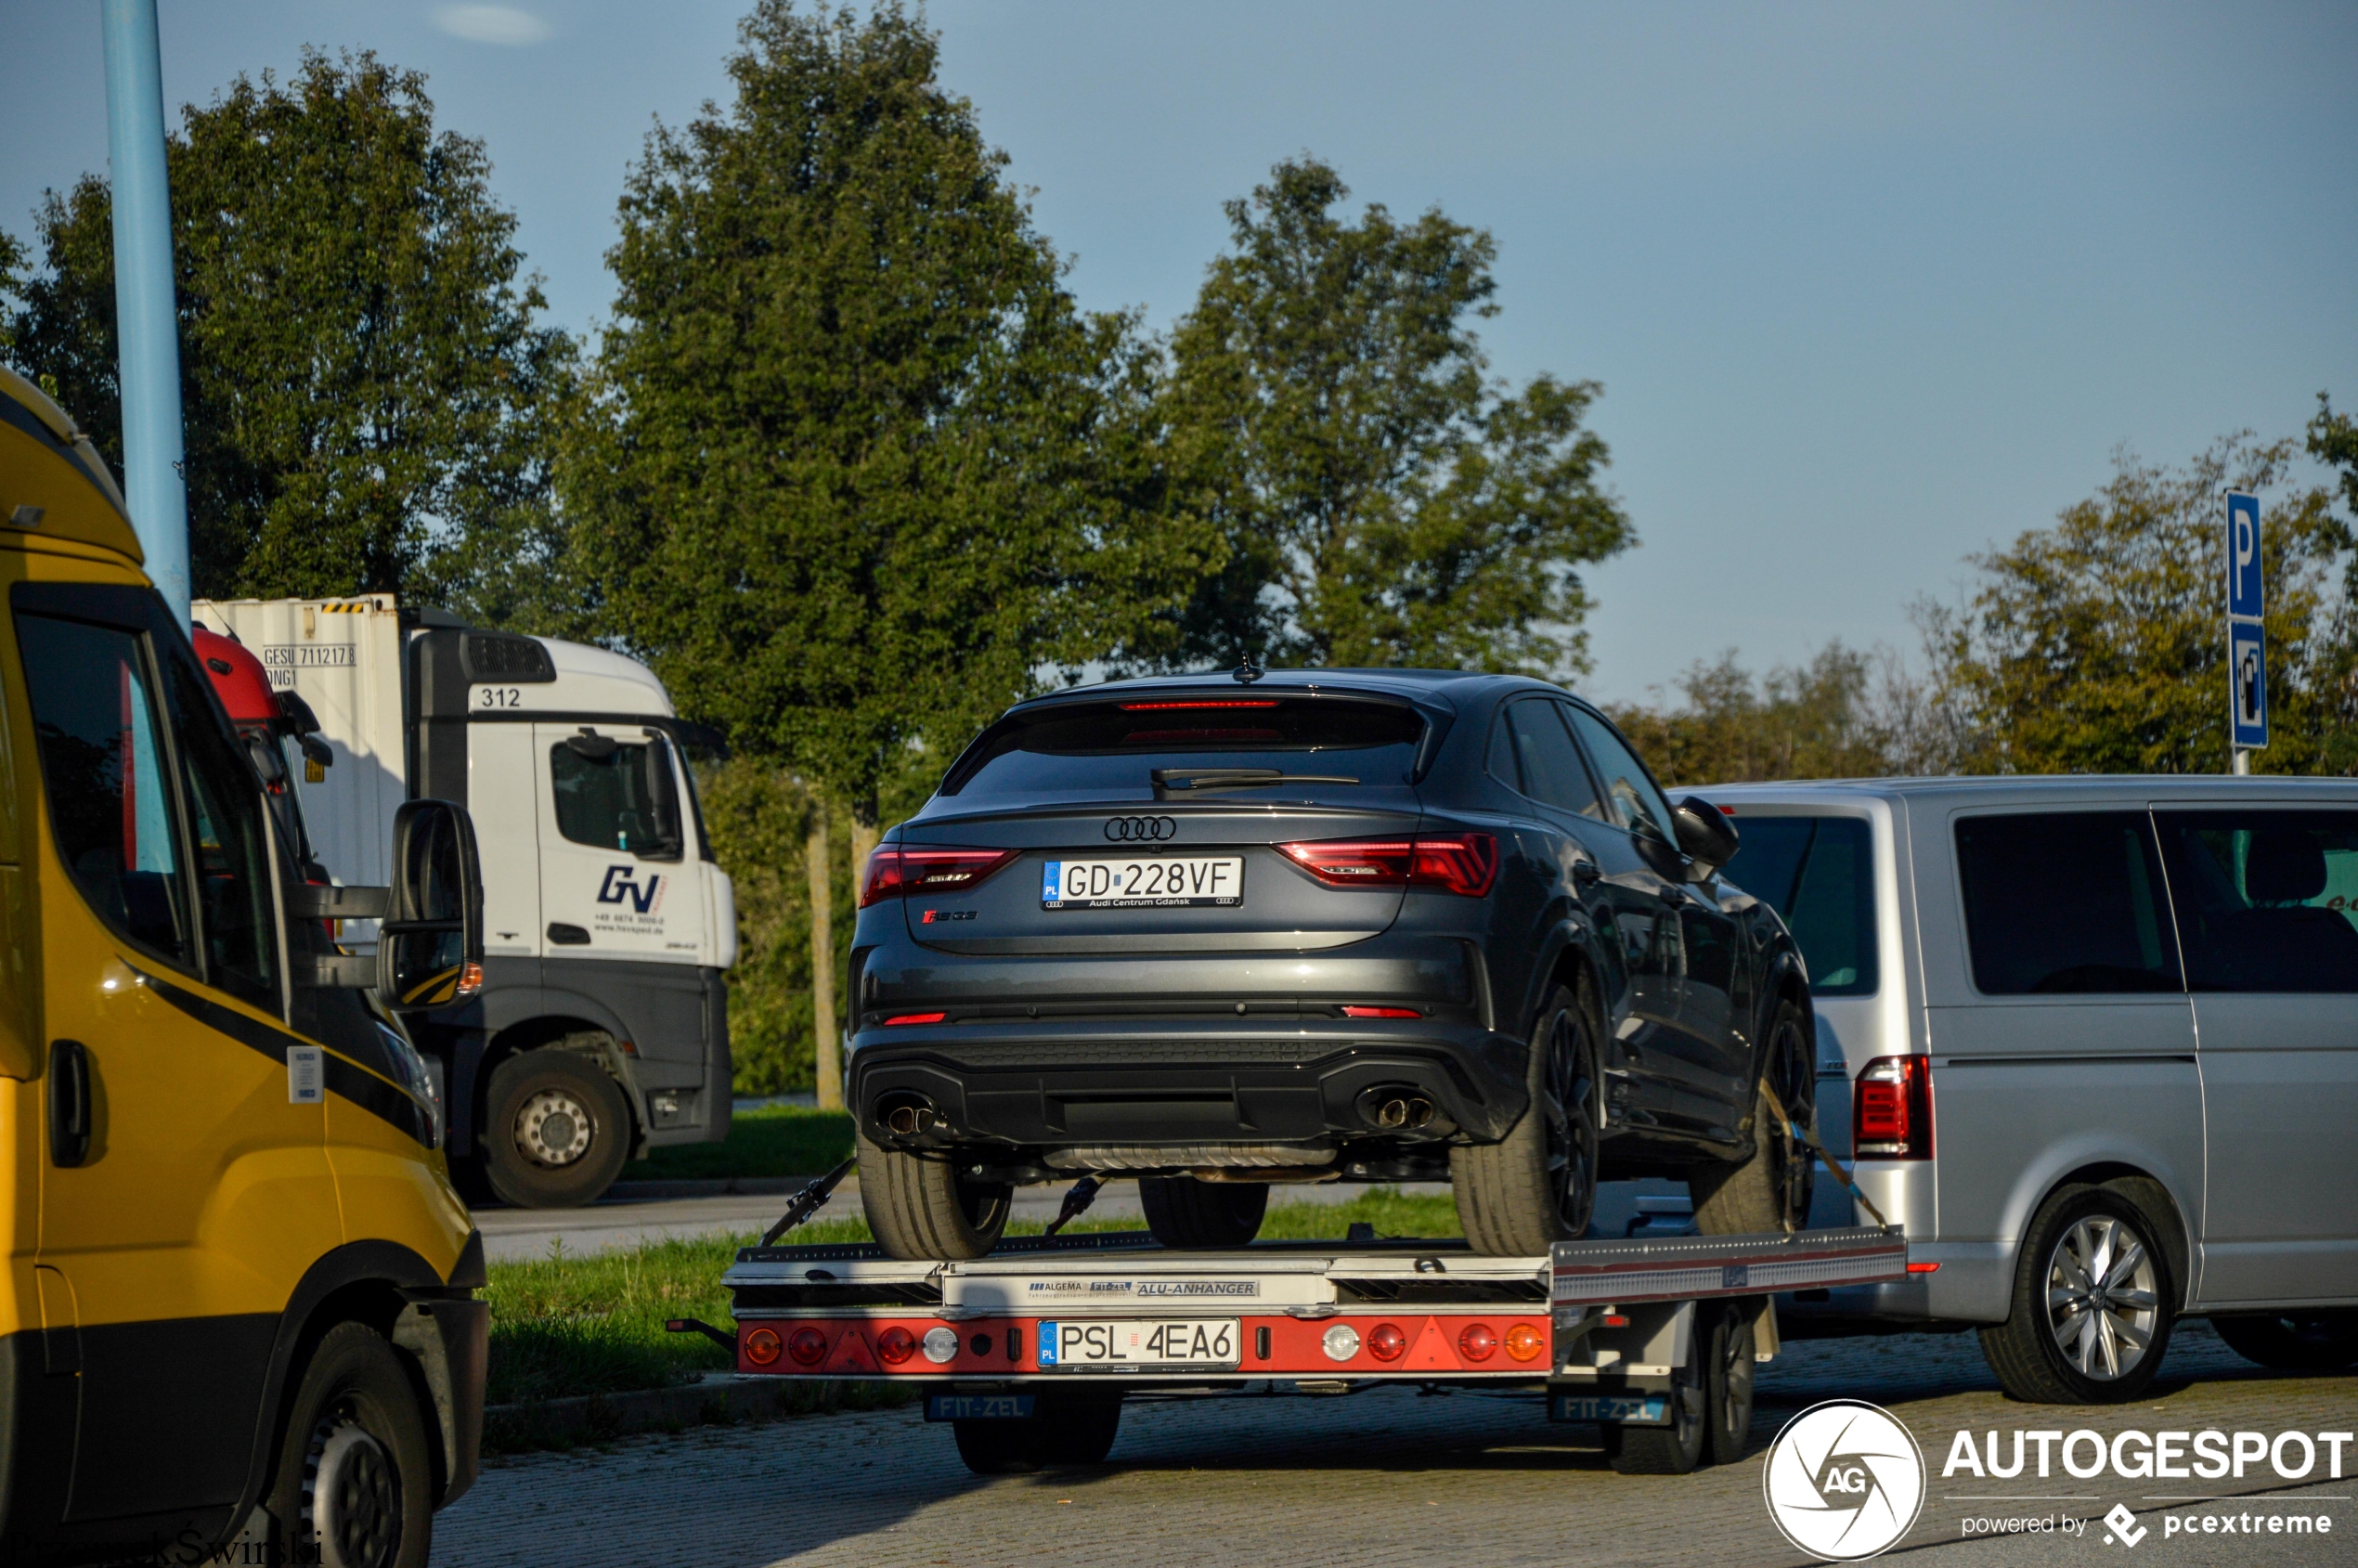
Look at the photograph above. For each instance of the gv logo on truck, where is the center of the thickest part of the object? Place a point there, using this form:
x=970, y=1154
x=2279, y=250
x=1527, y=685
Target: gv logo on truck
x=1139, y=830
x=619, y=887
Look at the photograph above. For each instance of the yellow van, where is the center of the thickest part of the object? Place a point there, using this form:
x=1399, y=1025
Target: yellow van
x=239, y=1304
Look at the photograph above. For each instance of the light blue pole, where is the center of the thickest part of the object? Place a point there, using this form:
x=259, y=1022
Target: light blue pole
x=147, y=323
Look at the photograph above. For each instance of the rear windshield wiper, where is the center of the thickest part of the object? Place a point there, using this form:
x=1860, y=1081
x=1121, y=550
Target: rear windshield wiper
x=1199, y=780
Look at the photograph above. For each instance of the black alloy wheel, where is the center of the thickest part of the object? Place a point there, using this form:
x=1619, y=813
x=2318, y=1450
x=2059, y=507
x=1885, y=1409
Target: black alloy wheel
x=1570, y=1105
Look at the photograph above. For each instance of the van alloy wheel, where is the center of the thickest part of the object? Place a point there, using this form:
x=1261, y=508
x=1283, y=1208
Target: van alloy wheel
x=2102, y=1297
x=554, y=1129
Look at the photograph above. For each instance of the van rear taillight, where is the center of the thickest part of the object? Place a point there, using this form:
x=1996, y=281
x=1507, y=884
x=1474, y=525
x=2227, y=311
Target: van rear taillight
x=896, y=869
x=1891, y=1109
x=1461, y=862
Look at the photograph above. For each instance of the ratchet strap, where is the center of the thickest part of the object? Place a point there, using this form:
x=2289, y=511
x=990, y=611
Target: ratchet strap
x=1810, y=1135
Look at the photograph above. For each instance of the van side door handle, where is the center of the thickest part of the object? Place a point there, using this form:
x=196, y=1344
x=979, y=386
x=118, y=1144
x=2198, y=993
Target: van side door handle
x=68, y=1102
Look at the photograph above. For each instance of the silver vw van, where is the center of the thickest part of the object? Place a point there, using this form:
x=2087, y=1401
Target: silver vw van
x=2093, y=1041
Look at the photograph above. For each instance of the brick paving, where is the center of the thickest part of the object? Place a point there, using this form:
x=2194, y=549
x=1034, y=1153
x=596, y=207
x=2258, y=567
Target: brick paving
x=1373, y=1480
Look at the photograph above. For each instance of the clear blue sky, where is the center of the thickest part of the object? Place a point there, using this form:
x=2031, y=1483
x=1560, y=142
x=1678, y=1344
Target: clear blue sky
x=1869, y=287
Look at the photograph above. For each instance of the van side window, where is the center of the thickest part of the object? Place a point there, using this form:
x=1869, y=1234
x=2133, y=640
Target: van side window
x=1819, y=873
x=616, y=794
x=2064, y=902
x=1637, y=803
x=1552, y=772
x=94, y=715
x=225, y=802
x=2266, y=901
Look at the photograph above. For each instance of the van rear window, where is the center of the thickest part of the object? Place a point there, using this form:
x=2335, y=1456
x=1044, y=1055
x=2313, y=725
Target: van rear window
x=1091, y=747
x=1819, y=873
x=2064, y=902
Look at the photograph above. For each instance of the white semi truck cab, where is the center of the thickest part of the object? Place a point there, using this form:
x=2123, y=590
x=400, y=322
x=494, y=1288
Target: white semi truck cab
x=599, y=1026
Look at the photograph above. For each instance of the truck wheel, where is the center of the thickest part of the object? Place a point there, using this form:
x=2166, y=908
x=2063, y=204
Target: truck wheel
x=1537, y=1185
x=1679, y=1447
x=1731, y=1382
x=2293, y=1341
x=556, y=1130
x=920, y=1207
x=354, y=1486
x=1076, y=1430
x=1768, y=1192
x=2090, y=1318
x=1199, y=1216
x=999, y=1447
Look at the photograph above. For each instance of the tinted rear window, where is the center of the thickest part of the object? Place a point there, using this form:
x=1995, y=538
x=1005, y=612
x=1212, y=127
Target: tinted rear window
x=1090, y=748
x=2067, y=901
x=2267, y=901
x=1819, y=873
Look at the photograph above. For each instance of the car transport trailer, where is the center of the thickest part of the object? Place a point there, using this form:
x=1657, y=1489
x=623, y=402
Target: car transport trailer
x=1029, y=1353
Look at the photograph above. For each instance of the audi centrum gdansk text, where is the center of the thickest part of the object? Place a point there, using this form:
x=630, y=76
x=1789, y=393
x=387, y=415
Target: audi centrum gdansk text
x=1366, y=926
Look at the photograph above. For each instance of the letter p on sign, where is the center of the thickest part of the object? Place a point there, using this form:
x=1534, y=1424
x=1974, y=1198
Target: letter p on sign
x=2244, y=591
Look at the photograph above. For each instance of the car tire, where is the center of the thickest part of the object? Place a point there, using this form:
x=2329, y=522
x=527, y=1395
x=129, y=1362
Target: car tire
x=919, y=1207
x=1768, y=1191
x=2090, y=1283
x=556, y=1130
x=1679, y=1447
x=1729, y=1430
x=354, y=1484
x=1067, y=1429
x=1199, y=1216
x=2321, y=1341
x=1537, y=1185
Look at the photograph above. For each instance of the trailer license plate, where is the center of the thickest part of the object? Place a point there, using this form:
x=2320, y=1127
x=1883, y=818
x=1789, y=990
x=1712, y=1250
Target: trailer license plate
x=1632, y=1409
x=1144, y=882
x=980, y=1407
x=1187, y=1343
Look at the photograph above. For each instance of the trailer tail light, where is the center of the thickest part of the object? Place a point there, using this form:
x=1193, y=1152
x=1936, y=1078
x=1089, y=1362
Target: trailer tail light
x=941, y=1345
x=1340, y=1342
x=1891, y=1109
x=1381, y=1013
x=1477, y=1342
x=761, y=1346
x=898, y=869
x=896, y=1345
x=1386, y=1342
x=1525, y=1343
x=1464, y=863
x=808, y=1346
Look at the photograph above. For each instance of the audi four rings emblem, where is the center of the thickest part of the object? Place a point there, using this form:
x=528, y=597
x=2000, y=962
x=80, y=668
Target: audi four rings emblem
x=1137, y=830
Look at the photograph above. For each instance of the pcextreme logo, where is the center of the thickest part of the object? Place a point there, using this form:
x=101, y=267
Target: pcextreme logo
x=1843, y=1480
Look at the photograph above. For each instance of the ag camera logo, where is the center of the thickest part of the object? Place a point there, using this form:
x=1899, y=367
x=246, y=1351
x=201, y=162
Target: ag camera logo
x=1844, y=1481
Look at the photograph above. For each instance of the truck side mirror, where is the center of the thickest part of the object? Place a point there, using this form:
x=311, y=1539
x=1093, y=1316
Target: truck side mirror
x=1705, y=835
x=429, y=947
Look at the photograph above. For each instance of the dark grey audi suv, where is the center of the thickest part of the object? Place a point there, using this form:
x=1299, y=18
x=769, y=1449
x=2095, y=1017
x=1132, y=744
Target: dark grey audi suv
x=1222, y=932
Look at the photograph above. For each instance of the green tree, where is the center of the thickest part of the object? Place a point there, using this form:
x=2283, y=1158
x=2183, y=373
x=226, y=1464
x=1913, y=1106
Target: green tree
x=363, y=387
x=1383, y=501
x=858, y=469
x=2098, y=645
x=1817, y=720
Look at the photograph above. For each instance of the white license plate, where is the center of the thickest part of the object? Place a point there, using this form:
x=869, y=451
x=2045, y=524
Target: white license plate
x=1198, y=1342
x=1143, y=881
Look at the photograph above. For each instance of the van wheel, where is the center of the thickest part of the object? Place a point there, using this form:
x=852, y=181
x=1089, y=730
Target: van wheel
x=920, y=1207
x=2090, y=1318
x=354, y=1486
x=2293, y=1341
x=1196, y=1216
x=1537, y=1185
x=1768, y=1191
x=556, y=1130
x=1680, y=1446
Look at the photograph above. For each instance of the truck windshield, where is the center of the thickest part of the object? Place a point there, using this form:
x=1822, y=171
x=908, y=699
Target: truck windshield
x=1114, y=748
x=1819, y=873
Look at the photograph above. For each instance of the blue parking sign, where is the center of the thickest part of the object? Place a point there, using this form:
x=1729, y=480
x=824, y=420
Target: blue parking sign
x=2248, y=686
x=2245, y=590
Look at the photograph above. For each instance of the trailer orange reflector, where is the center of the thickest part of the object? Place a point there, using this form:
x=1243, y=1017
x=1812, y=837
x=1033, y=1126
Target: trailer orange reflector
x=1525, y=1343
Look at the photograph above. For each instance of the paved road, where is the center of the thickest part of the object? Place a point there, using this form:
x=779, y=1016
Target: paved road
x=1389, y=1478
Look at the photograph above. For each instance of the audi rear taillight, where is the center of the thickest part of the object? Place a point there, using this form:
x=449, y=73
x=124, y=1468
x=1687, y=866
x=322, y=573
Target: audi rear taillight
x=1464, y=863
x=1891, y=1109
x=898, y=869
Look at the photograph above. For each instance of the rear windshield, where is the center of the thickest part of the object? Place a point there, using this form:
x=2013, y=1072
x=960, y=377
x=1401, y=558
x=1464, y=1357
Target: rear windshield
x=1091, y=749
x=1819, y=873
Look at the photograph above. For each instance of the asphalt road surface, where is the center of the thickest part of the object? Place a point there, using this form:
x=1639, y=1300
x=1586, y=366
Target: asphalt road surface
x=1396, y=1478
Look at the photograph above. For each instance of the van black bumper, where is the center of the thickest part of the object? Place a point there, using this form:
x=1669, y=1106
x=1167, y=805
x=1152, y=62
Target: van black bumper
x=1043, y=1085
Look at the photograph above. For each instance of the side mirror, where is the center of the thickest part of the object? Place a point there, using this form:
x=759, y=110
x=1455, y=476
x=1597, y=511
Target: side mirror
x=429, y=947
x=1705, y=835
